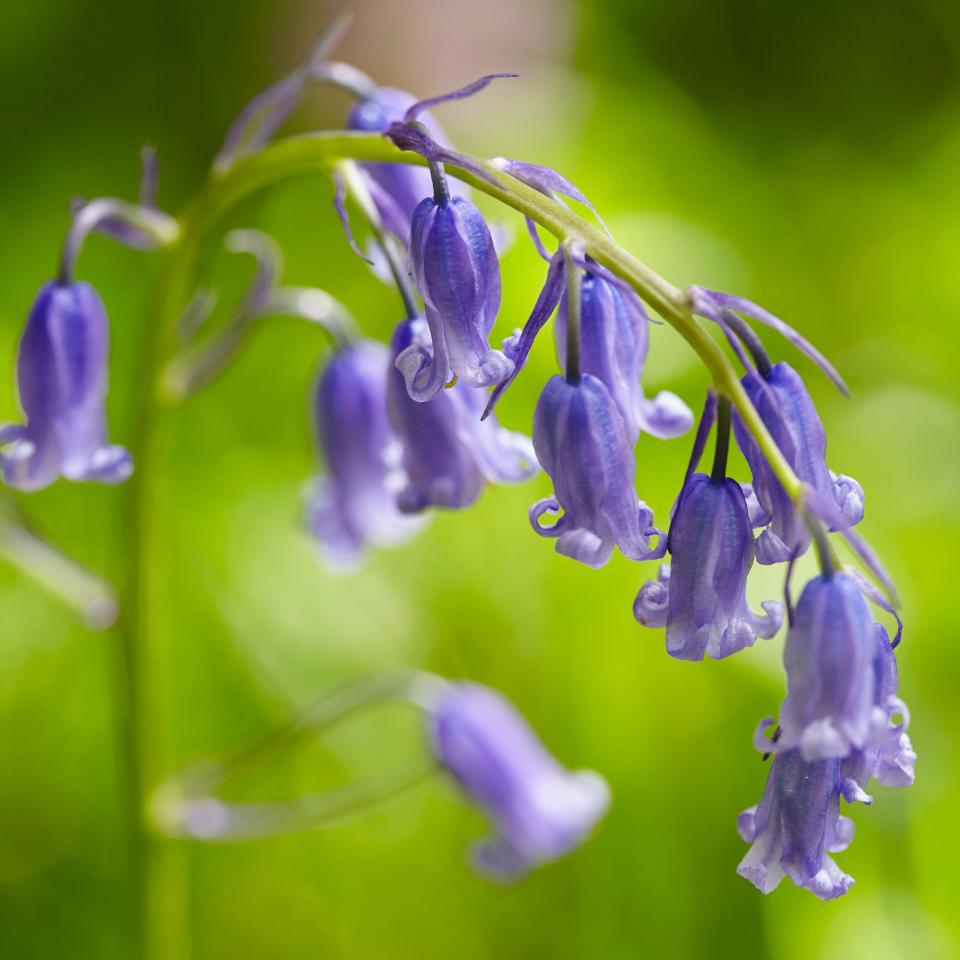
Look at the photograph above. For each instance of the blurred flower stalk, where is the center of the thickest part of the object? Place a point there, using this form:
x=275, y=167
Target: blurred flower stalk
x=409, y=427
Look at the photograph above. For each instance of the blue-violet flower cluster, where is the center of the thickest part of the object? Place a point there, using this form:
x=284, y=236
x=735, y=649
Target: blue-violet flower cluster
x=406, y=427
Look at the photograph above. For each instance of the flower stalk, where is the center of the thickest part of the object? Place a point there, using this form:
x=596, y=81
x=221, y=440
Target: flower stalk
x=574, y=306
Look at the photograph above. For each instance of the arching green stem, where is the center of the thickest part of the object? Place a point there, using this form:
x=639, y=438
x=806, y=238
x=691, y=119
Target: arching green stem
x=311, y=153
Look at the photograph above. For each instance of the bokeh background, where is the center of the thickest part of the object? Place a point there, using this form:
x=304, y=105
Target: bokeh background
x=805, y=156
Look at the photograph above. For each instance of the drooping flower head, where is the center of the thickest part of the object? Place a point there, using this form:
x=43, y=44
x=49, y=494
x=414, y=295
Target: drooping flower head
x=540, y=811
x=458, y=276
x=448, y=453
x=797, y=825
x=62, y=377
x=581, y=442
x=354, y=505
x=700, y=597
x=785, y=406
x=831, y=681
x=614, y=342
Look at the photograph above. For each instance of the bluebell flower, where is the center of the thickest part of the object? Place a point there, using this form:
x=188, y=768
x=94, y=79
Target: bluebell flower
x=581, y=441
x=62, y=379
x=785, y=406
x=396, y=188
x=354, y=505
x=889, y=757
x=700, y=597
x=539, y=810
x=831, y=682
x=797, y=825
x=458, y=276
x=448, y=453
x=614, y=342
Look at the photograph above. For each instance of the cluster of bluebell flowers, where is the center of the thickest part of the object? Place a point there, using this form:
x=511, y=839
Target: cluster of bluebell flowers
x=405, y=425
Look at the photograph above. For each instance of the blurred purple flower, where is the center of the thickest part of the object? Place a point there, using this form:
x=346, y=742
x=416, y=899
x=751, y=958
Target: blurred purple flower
x=62, y=378
x=458, y=276
x=797, y=825
x=829, y=659
x=581, y=441
x=540, y=811
x=354, y=505
x=448, y=453
x=614, y=342
x=701, y=595
x=788, y=412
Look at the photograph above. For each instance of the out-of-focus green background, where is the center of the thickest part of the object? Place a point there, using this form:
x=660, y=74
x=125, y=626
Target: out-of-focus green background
x=806, y=156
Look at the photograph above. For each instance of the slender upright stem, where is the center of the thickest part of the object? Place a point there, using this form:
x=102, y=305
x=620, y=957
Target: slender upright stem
x=826, y=555
x=441, y=189
x=719, y=472
x=156, y=868
x=574, y=303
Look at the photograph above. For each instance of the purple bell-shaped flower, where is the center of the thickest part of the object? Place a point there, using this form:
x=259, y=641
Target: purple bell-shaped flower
x=614, y=342
x=889, y=758
x=448, y=453
x=540, y=811
x=797, y=825
x=354, y=505
x=62, y=378
x=700, y=597
x=831, y=681
x=785, y=406
x=458, y=276
x=581, y=441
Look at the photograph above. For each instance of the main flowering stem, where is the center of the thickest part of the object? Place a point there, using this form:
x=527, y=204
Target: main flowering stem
x=155, y=868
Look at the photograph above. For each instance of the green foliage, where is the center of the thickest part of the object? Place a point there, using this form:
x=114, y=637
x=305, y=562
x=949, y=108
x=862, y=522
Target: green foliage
x=822, y=185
